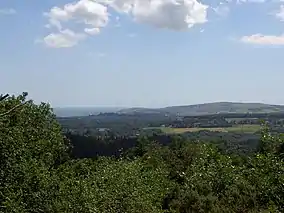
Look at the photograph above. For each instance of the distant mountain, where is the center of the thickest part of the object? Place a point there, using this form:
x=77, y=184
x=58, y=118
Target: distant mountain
x=83, y=111
x=210, y=108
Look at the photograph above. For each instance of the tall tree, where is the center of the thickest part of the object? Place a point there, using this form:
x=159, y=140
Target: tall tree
x=31, y=146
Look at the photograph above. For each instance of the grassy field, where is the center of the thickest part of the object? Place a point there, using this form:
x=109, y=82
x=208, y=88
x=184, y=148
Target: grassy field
x=236, y=129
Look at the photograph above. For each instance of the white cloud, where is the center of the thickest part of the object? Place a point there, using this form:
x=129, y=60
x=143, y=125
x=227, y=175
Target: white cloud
x=84, y=12
x=264, y=39
x=63, y=39
x=92, y=31
x=171, y=14
x=261, y=39
x=7, y=11
x=94, y=15
x=280, y=14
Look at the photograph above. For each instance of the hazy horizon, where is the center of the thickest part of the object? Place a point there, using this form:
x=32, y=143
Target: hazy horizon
x=125, y=107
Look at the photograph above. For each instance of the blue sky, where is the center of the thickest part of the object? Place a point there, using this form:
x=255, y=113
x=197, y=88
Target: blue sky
x=127, y=53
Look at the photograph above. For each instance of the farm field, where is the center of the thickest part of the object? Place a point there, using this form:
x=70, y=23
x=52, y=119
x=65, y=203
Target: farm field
x=238, y=129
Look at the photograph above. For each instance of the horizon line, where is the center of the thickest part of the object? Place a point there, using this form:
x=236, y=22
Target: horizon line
x=183, y=105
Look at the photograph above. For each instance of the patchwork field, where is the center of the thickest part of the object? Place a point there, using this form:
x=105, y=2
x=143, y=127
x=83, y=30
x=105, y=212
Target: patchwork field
x=237, y=129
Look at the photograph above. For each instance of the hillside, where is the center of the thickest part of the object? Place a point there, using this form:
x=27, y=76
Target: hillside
x=210, y=108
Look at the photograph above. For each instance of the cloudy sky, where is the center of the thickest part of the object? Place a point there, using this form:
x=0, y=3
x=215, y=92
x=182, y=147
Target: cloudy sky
x=142, y=52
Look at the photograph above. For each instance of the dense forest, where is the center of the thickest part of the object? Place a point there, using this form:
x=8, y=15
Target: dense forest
x=45, y=168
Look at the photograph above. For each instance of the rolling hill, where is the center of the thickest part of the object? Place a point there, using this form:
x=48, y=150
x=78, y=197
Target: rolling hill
x=210, y=108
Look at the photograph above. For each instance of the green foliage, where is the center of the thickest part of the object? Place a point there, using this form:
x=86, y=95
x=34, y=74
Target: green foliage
x=31, y=145
x=214, y=182
x=111, y=186
x=37, y=174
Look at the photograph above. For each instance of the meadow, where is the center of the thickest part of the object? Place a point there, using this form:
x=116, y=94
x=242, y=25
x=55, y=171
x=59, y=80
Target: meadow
x=247, y=128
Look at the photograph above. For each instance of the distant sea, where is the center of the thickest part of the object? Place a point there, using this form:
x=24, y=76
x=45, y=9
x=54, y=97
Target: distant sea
x=82, y=111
